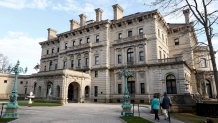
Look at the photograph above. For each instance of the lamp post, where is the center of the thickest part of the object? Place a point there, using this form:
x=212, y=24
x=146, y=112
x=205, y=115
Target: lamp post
x=11, y=108
x=126, y=103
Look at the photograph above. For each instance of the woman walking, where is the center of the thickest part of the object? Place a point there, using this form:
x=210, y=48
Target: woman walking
x=155, y=106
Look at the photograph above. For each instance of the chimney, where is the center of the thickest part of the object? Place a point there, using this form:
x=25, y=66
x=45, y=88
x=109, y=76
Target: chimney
x=82, y=20
x=118, y=11
x=98, y=12
x=73, y=24
x=51, y=33
x=186, y=13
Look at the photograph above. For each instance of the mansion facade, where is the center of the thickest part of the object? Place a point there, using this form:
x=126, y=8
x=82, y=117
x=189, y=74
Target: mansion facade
x=83, y=64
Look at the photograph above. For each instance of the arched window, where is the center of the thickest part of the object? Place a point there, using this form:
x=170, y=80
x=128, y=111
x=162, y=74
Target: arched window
x=39, y=91
x=203, y=63
x=49, y=89
x=208, y=88
x=34, y=88
x=58, y=91
x=171, y=84
x=130, y=56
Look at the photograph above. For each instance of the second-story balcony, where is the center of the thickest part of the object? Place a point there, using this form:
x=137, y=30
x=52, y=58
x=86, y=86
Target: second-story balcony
x=166, y=60
x=81, y=46
x=129, y=39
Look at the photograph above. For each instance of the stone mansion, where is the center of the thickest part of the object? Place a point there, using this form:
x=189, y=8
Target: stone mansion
x=83, y=64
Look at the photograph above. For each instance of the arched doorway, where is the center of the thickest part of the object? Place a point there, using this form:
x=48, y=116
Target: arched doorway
x=171, y=84
x=73, y=92
x=208, y=88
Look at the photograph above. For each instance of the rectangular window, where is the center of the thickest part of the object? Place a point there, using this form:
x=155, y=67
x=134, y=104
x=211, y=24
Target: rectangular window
x=141, y=56
x=52, y=50
x=56, y=66
x=65, y=46
x=79, y=63
x=86, y=61
x=96, y=60
x=130, y=33
x=5, y=81
x=96, y=91
x=96, y=73
x=21, y=82
x=97, y=38
x=72, y=63
x=160, y=54
x=58, y=49
x=65, y=64
x=140, y=31
x=176, y=41
x=119, y=35
x=119, y=88
x=47, y=52
x=74, y=43
x=87, y=39
x=119, y=58
x=142, y=86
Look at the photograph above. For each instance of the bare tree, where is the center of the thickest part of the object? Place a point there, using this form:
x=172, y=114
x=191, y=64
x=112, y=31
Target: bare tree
x=4, y=63
x=206, y=19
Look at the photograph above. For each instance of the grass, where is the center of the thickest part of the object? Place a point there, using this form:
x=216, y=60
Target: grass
x=39, y=104
x=5, y=120
x=191, y=118
x=135, y=119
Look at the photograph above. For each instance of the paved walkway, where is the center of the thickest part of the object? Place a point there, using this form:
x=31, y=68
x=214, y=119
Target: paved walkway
x=79, y=113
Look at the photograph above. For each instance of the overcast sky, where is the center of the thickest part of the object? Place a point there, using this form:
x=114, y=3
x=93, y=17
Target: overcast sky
x=24, y=23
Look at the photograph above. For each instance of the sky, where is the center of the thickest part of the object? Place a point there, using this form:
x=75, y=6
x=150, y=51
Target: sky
x=24, y=23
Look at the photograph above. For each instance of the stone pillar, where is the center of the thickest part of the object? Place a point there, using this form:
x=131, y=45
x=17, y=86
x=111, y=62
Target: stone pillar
x=82, y=20
x=51, y=33
x=98, y=14
x=73, y=24
x=186, y=13
x=118, y=12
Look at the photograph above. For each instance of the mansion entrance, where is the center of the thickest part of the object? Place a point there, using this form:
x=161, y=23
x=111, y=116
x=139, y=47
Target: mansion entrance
x=73, y=92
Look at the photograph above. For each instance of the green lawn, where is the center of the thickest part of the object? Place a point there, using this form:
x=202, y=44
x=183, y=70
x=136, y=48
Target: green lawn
x=5, y=120
x=191, y=118
x=39, y=104
x=135, y=119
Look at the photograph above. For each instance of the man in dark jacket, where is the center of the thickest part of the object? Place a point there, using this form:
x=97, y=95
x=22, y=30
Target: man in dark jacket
x=165, y=103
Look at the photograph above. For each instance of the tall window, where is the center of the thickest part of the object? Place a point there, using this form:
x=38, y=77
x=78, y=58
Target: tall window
x=96, y=91
x=140, y=31
x=80, y=41
x=203, y=63
x=141, y=56
x=176, y=41
x=72, y=63
x=86, y=61
x=96, y=73
x=65, y=46
x=142, y=86
x=171, y=84
x=97, y=38
x=58, y=49
x=50, y=65
x=52, y=50
x=56, y=66
x=119, y=35
x=160, y=54
x=79, y=62
x=119, y=88
x=47, y=52
x=96, y=60
x=74, y=43
x=130, y=56
x=119, y=59
x=130, y=33
x=65, y=64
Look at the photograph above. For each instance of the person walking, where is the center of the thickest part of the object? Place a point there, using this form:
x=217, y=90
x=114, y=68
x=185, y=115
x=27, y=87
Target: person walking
x=155, y=106
x=165, y=103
